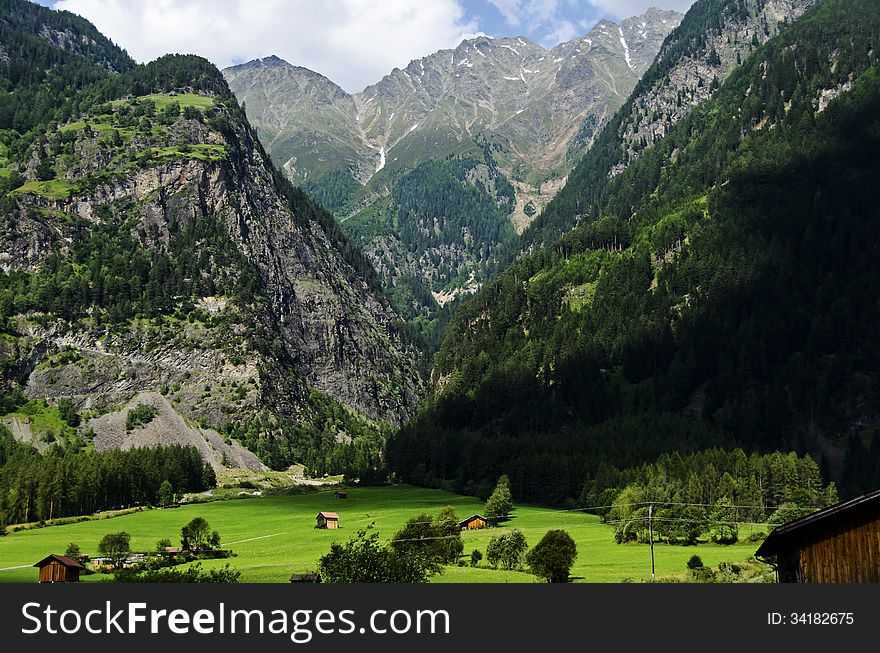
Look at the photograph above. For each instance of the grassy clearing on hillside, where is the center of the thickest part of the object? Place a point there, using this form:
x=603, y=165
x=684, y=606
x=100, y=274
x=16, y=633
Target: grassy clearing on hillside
x=44, y=420
x=162, y=100
x=5, y=171
x=200, y=152
x=275, y=536
x=56, y=189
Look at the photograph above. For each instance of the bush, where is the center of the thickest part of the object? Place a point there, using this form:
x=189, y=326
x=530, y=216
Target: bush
x=756, y=537
x=704, y=575
x=476, y=556
x=139, y=416
x=695, y=562
x=193, y=574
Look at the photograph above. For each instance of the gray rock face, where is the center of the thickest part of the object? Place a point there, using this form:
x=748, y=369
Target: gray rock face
x=694, y=73
x=168, y=428
x=533, y=98
x=316, y=326
x=525, y=104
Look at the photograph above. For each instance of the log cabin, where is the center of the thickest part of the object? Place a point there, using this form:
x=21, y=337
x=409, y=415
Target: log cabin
x=474, y=522
x=59, y=569
x=840, y=544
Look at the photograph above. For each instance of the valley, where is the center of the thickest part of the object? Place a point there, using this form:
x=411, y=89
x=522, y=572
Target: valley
x=625, y=282
x=274, y=537
x=507, y=109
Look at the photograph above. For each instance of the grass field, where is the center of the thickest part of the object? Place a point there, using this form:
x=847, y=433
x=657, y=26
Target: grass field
x=275, y=536
x=56, y=189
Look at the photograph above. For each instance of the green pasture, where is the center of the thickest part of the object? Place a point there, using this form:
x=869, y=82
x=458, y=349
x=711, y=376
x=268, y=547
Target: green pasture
x=273, y=537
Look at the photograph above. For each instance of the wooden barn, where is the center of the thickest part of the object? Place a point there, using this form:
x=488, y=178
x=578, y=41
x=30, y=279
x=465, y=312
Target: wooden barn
x=305, y=578
x=840, y=544
x=340, y=495
x=59, y=569
x=327, y=520
x=473, y=523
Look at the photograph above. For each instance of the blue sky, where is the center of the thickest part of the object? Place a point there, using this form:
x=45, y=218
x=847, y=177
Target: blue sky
x=353, y=42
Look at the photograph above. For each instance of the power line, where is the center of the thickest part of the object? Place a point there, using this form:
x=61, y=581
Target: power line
x=707, y=522
x=641, y=504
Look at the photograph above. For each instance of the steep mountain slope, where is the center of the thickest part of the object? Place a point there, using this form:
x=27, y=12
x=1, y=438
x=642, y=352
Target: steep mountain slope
x=531, y=96
x=507, y=109
x=306, y=122
x=727, y=294
x=148, y=245
x=714, y=37
x=43, y=55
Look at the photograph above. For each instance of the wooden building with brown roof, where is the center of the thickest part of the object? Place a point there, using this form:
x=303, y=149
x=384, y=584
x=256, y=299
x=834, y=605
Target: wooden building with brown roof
x=473, y=523
x=840, y=544
x=59, y=569
x=327, y=520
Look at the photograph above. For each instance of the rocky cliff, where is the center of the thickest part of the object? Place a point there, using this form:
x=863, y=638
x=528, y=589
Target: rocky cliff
x=152, y=247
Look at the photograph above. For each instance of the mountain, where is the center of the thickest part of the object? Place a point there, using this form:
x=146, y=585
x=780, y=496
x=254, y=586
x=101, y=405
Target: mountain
x=713, y=38
x=530, y=96
x=152, y=255
x=719, y=291
x=508, y=109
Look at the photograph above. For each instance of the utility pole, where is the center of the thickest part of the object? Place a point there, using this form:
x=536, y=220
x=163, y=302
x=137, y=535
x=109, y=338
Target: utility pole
x=651, y=536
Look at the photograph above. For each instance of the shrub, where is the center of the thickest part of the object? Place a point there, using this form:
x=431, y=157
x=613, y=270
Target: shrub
x=756, y=537
x=476, y=556
x=704, y=575
x=139, y=416
x=695, y=562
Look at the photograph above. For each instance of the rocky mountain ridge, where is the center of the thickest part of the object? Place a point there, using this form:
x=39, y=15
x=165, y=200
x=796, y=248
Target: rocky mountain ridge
x=148, y=245
x=533, y=98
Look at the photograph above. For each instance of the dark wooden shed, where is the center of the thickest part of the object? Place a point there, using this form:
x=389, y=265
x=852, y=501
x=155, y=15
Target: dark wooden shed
x=341, y=495
x=305, y=578
x=840, y=544
x=59, y=569
x=474, y=522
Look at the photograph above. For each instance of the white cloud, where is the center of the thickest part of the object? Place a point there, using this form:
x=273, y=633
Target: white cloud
x=629, y=8
x=562, y=31
x=354, y=42
x=510, y=9
x=554, y=21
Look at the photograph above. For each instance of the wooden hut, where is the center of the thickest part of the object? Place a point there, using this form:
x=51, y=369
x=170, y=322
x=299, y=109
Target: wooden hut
x=840, y=544
x=473, y=523
x=305, y=578
x=327, y=520
x=340, y=495
x=58, y=569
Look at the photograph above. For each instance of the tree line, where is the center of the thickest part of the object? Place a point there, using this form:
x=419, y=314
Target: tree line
x=64, y=483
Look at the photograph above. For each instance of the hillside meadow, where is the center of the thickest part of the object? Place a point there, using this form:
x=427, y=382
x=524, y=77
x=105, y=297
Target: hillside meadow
x=275, y=536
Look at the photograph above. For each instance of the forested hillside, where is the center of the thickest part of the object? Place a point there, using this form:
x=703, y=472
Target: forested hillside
x=36, y=487
x=713, y=39
x=437, y=234
x=720, y=291
x=46, y=58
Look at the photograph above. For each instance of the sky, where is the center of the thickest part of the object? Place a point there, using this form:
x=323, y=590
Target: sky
x=353, y=42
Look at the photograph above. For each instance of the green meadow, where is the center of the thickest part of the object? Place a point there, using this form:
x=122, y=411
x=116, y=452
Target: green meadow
x=273, y=537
